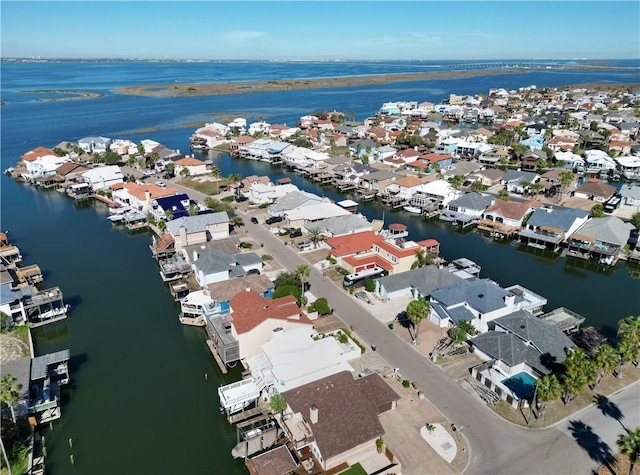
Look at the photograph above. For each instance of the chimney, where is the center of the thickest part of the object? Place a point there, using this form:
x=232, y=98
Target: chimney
x=195, y=256
x=509, y=300
x=183, y=236
x=313, y=414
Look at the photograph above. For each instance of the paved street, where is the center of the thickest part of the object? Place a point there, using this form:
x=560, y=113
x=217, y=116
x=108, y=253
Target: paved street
x=497, y=446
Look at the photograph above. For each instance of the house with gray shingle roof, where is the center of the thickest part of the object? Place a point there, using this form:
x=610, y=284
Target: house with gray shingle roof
x=630, y=195
x=512, y=179
x=476, y=301
x=468, y=207
x=522, y=342
x=215, y=266
x=341, y=225
x=601, y=239
x=293, y=200
x=550, y=226
x=190, y=230
x=418, y=282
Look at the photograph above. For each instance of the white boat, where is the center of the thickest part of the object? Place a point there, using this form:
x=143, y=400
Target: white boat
x=54, y=312
x=116, y=218
x=413, y=209
x=120, y=210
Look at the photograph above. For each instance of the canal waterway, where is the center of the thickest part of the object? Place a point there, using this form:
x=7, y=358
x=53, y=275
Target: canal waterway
x=140, y=401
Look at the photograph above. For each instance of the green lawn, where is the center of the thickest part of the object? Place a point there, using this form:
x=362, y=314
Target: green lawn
x=355, y=470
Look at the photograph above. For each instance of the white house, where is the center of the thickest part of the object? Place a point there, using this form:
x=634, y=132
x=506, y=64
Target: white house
x=41, y=162
x=102, y=178
x=260, y=193
x=99, y=145
x=439, y=191
x=192, y=165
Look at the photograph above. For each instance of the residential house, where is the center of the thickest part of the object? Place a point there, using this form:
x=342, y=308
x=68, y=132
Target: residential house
x=264, y=149
x=600, y=239
x=434, y=161
x=550, y=226
x=239, y=142
x=340, y=417
x=293, y=200
x=172, y=207
x=216, y=266
x=522, y=342
x=306, y=215
x=378, y=180
x=629, y=166
x=260, y=193
x=102, y=178
x=518, y=181
x=467, y=209
x=505, y=218
x=70, y=171
x=255, y=318
x=41, y=162
x=341, y=225
x=198, y=229
x=439, y=192
x=630, y=195
x=598, y=161
x=487, y=177
x=97, y=145
x=142, y=197
x=404, y=187
x=475, y=301
x=461, y=168
x=402, y=157
x=190, y=166
x=419, y=282
x=595, y=191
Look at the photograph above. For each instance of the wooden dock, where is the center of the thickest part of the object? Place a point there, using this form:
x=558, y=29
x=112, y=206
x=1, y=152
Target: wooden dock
x=216, y=356
x=48, y=321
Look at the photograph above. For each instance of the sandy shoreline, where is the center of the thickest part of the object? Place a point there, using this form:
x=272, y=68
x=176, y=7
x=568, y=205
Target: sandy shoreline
x=247, y=87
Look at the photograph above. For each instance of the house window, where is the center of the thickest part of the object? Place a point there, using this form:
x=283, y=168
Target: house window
x=394, y=259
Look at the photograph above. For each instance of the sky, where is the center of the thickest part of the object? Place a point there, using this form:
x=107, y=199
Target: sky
x=321, y=30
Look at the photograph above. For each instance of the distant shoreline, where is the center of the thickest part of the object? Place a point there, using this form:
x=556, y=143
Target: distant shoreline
x=77, y=95
x=280, y=85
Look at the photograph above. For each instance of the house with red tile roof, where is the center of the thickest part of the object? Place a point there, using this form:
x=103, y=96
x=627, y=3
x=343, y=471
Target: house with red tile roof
x=41, y=162
x=193, y=166
x=141, y=196
x=255, y=318
x=364, y=250
x=238, y=142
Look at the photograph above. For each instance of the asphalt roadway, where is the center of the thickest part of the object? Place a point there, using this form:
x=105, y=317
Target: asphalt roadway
x=497, y=446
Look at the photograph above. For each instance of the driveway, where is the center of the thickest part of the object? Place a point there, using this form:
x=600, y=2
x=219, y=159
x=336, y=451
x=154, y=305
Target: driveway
x=497, y=446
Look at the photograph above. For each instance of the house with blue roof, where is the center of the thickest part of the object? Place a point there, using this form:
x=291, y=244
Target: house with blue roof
x=549, y=227
x=178, y=205
x=478, y=302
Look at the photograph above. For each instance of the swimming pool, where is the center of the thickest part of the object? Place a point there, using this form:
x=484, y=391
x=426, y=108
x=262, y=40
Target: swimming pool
x=522, y=384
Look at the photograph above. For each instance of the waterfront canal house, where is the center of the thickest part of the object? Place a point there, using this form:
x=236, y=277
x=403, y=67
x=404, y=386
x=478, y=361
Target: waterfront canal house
x=503, y=219
x=400, y=192
x=265, y=150
x=95, y=145
x=518, y=350
x=377, y=181
x=548, y=227
x=341, y=225
x=466, y=210
x=630, y=195
x=190, y=166
x=478, y=302
x=335, y=420
x=417, y=283
x=198, y=229
x=307, y=216
x=216, y=266
x=516, y=181
x=600, y=239
x=41, y=162
x=141, y=197
x=296, y=199
x=259, y=193
x=597, y=192
x=254, y=318
x=629, y=167
x=172, y=207
x=103, y=178
x=70, y=171
x=49, y=375
x=438, y=193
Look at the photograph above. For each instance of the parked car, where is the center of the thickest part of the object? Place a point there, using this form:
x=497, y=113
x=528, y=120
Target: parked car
x=295, y=234
x=161, y=184
x=147, y=173
x=240, y=199
x=254, y=220
x=253, y=271
x=305, y=245
x=273, y=219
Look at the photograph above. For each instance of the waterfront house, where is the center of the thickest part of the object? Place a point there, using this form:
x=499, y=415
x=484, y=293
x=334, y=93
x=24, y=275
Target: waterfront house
x=600, y=239
x=341, y=225
x=41, y=162
x=462, y=168
x=238, y=142
x=198, y=229
x=549, y=227
x=142, y=197
x=339, y=416
x=598, y=161
x=403, y=188
x=216, y=266
x=307, y=215
x=467, y=209
x=264, y=149
x=475, y=301
x=95, y=145
x=70, y=171
x=598, y=192
x=439, y=192
x=629, y=166
x=434, y=161
x=190, y=166
x=377, y=181
x=419, y=282
x=505, y=218
x=222, y=292
x=102, y=178
x=630, y=195
x=254, y=319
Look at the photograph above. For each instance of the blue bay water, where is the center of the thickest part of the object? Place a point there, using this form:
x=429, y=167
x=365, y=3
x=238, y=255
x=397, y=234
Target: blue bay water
x=140, y=403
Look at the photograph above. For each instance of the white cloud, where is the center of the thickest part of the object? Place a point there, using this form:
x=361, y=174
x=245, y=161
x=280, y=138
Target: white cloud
x=241, y=35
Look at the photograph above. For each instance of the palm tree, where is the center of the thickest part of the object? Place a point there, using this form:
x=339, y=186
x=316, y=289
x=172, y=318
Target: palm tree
x=417, y=310
x=422, y=259
x=169, y=214
x=302, y=272
x=503, y=194
x=315, y=236
x=573, y=383
x=9, y=392
x=629, y=444
x=629, y=330
x=278, y=404
x=216, y=174
x=193, y=209
x=565, y=180
x=457, y=181
x=576, y=359
x=628, y=352
x=548, y=389
x=535, y=189
x=606, y=360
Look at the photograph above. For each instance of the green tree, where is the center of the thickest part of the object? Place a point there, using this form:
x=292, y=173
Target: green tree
x=302, y=273
x=315, y=236
x=629, y=445
x=170, y=169
x=628, y=352
x=635, y=219
x=629, y=330
x=503, y=194
x=573, y=383
x=597, y=210
x=548, y=389
x=184, y=173
x=370, y=285
x=422, y=259
x=457, y=181
x=162, y=225
x=322, y=306
x=418, y=310
x=193, y=209
x=457, y=334
x=140, y=149
x=536, y=189
x=216, y=173
x=168, y=214
x=477, y=186
x=566, y=178
x=9, y=392
x=606, y=361
x=278, y=404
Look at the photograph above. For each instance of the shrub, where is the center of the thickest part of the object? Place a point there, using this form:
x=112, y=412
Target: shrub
x=266, y=257
x=311, y=308
x=342, y=271
x=331, y=260
x=457, y=334
x=406, y=383
x=246, y=245
x=355, y=340
x=227, y=199
x=370, y=285
x=284, y=290
x=322, y=306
